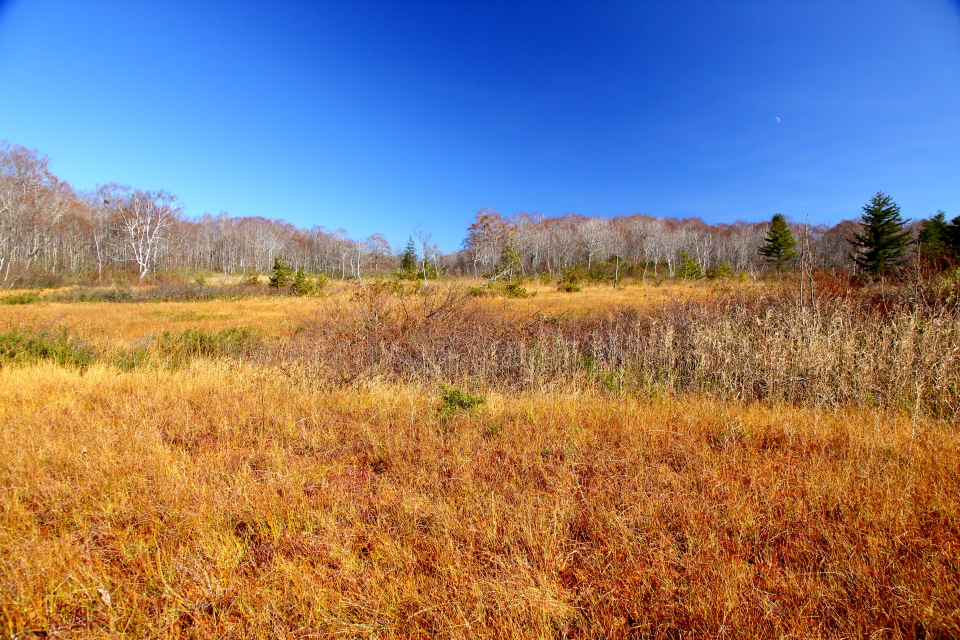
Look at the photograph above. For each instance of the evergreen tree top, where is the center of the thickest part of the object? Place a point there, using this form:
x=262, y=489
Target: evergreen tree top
x=779, y=244
x=880, y=245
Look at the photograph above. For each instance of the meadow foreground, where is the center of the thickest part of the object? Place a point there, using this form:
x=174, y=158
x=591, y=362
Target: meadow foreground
x=377, y=464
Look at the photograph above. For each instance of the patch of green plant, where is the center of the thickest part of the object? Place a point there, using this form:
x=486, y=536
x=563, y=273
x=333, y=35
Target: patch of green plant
x=182, y=347
x=453, y=399
x=492, y=430
x=514, y=289
x=722, y=270
x=320, y=282
x=688, y=268
x=136, y=358
x=478, y=291
x=609, y=380
x=27, y=297
x=303, y=284
x=19, y=346
x=282, y=273
x=570, y=279
x=91, y=295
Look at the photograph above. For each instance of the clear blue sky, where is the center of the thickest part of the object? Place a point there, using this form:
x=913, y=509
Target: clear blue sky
x=375, y=115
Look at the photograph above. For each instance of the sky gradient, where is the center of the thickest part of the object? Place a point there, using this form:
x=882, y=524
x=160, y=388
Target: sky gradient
x=377, y=116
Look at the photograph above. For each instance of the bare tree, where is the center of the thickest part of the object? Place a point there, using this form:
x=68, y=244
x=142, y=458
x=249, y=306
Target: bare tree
x=143, y=218
x=423, y=239
x=379, y=248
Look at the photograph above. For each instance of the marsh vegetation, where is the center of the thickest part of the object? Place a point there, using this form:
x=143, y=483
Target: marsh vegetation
x=384, y=459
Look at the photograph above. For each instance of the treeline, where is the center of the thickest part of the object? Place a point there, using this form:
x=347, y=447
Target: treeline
x=50, y=232
x=637, y=245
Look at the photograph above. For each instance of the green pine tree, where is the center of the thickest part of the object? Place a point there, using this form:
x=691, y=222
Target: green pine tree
x=302, y=283
x=282, y=273
x=688, y=268
x=953, y=239
x=934, y=241
x=779, y=247
x=408, y=264
x=879, y=247
x=511, y=262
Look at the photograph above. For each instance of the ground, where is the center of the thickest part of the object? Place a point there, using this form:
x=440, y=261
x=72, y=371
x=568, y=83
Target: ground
x=233, y=491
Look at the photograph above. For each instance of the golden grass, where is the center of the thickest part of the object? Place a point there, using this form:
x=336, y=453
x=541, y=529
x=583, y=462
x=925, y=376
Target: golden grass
x=277, y=316
x=229, y=498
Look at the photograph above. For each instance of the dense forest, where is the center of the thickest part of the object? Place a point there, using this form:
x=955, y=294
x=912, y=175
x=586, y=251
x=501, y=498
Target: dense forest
x=52, y=233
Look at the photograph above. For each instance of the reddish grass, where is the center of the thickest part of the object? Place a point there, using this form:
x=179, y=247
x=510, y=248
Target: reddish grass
x=313, y=486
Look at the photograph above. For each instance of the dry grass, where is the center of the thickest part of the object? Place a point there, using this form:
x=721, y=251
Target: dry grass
x=592, y=298
x=259, y=494
x=274, y=315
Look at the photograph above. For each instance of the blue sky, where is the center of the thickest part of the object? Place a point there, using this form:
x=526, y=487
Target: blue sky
x=375, y=116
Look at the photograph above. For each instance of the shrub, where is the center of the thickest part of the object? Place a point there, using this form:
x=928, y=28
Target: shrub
x=688, y=268
x=282, y=273
x=18, y=346
x=721, y=270
x=182, y=347
x=570, y=279
x=28, y=297
x=515, y=289
x=453, y=400
x=302, y=284
x=478, y=291
x=320, y=282
x=135, y=358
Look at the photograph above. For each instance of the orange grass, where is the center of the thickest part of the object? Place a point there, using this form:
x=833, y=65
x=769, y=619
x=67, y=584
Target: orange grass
x=238, y=498
x=279, y=315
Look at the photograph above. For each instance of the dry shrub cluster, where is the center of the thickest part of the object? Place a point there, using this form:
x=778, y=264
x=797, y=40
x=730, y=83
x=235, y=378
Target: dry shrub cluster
x=852, y=347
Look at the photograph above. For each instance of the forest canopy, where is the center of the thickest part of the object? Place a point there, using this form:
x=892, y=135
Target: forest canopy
x=50, y=232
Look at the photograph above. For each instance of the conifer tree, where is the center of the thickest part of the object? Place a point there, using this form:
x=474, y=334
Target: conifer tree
x=510, y=260
x=282, y=273
x=934, y=241
x=408, y=264
x=953, y=238
x=879, y=246
x=779, y=247
x=688, y=268
x=302, y=285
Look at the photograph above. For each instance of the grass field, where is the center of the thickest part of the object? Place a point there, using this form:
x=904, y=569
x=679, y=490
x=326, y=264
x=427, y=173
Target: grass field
x=653, y=462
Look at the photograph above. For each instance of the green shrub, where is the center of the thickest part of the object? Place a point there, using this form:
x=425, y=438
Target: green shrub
x=302, y=283
x=282, y=273
x=18, y=346
x=136, y=358
x=721, y=270
x=453, y=400
x=182, y=347
x=511, y=289
x=688, y=268
x=478, y=291
x=28, y=297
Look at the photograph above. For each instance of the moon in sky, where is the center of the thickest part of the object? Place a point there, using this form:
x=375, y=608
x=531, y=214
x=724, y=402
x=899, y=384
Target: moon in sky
x=777, y=118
